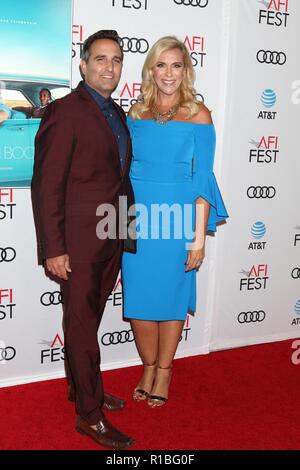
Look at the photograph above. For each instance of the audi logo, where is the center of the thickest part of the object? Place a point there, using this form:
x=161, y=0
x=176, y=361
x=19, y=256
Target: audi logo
x=296, y=273
x=271, y=57
x=252, y=317
x=7, y=254
x=261, y=192
x=117, y=337
x=134, y=45
x=192, y=3
x=7, y=354
x=51, y=298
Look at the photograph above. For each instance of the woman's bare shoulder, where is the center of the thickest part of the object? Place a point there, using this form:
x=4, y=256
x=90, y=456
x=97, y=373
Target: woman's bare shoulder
x=203, y=116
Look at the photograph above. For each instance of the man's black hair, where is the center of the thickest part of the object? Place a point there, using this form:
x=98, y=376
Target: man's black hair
x=102, y=34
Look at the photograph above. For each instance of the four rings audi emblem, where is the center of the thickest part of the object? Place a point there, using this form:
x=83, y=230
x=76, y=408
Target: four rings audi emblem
x=192, y=3
x=296, y=273
x=252, y=317
x=261, y=192
x=7, y=354
x=134, y=45
x=271, y=57
x=7, y=254
x=117, y=337
x=51, y=298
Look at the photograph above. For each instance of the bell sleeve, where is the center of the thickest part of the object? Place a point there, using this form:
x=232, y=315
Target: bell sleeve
x=204, y=180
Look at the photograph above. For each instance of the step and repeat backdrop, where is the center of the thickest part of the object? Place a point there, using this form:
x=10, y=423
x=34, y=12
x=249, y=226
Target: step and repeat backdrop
x=245, y=59
x=257, y=276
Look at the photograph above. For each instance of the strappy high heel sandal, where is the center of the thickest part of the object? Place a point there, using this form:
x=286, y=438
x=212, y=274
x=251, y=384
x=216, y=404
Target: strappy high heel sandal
x=140, y=394
x=154, y=400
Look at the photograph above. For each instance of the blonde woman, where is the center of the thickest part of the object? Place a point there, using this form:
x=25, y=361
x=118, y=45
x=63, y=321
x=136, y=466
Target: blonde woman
x=173, y=141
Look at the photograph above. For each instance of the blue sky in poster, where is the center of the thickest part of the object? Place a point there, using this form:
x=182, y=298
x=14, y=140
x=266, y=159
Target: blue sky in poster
x=35, y=37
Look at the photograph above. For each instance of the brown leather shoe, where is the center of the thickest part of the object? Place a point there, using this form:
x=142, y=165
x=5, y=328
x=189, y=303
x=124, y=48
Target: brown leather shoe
x=106, y=435
x=111, y=403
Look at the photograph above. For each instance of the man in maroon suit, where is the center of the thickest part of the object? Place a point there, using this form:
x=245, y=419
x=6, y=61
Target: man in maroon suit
x=82, y=160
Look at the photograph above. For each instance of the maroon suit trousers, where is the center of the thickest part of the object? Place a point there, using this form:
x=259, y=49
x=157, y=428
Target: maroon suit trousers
x=85, y=294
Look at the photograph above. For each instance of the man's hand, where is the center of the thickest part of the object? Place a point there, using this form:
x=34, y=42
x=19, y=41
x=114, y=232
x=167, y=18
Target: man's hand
x=59, y=266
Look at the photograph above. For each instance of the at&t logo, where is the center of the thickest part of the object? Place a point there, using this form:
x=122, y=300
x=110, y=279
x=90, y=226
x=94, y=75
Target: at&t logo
x=268, y=100
x=296, y=321
x=134, y=4
x=258, y=231
x=255, y=279
x=275, y=13
x=54, y=352
x=6, y=304
x=128, y=95
x=196, y=46
x=266, y=150
x=7, y=204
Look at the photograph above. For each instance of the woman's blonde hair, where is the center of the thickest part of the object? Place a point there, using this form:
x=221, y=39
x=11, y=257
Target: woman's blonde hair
x=149, y=90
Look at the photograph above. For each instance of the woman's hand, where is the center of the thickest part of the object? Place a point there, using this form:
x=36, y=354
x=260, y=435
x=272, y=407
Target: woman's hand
x=195, y=257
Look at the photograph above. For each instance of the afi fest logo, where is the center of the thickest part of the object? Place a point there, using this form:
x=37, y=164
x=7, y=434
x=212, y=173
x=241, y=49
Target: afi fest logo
x=196, y=46
x=128, y=95
x=297, y=236
x=54, y=352
x=186, y=329
x=6, y=304
x=7, y=204
x=255, y=279
x=266, y=150
x=132, y=4
x=116, y=296
x=77, y=42
x=274, y=13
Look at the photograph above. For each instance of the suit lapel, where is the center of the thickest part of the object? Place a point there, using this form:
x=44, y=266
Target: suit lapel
x=94, y=108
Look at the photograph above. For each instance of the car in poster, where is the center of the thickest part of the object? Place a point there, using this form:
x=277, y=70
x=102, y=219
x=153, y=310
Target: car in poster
x=17, y=134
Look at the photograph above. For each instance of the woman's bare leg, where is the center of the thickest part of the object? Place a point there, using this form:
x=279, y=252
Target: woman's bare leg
x=169, y=337
x=146, y=338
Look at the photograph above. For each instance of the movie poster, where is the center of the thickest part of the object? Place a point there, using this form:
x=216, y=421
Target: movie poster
x=35, y=69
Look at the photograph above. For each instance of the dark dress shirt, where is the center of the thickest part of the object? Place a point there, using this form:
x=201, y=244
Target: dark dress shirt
x=112, y=116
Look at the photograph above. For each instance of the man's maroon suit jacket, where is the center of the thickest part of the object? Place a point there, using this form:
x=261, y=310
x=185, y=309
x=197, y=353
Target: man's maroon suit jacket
x=77, y=168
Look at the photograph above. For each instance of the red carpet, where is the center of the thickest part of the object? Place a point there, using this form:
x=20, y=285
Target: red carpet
x=246, y=398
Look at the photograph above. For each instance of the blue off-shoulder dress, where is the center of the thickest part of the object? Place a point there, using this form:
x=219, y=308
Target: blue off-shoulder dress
x=172, y=166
